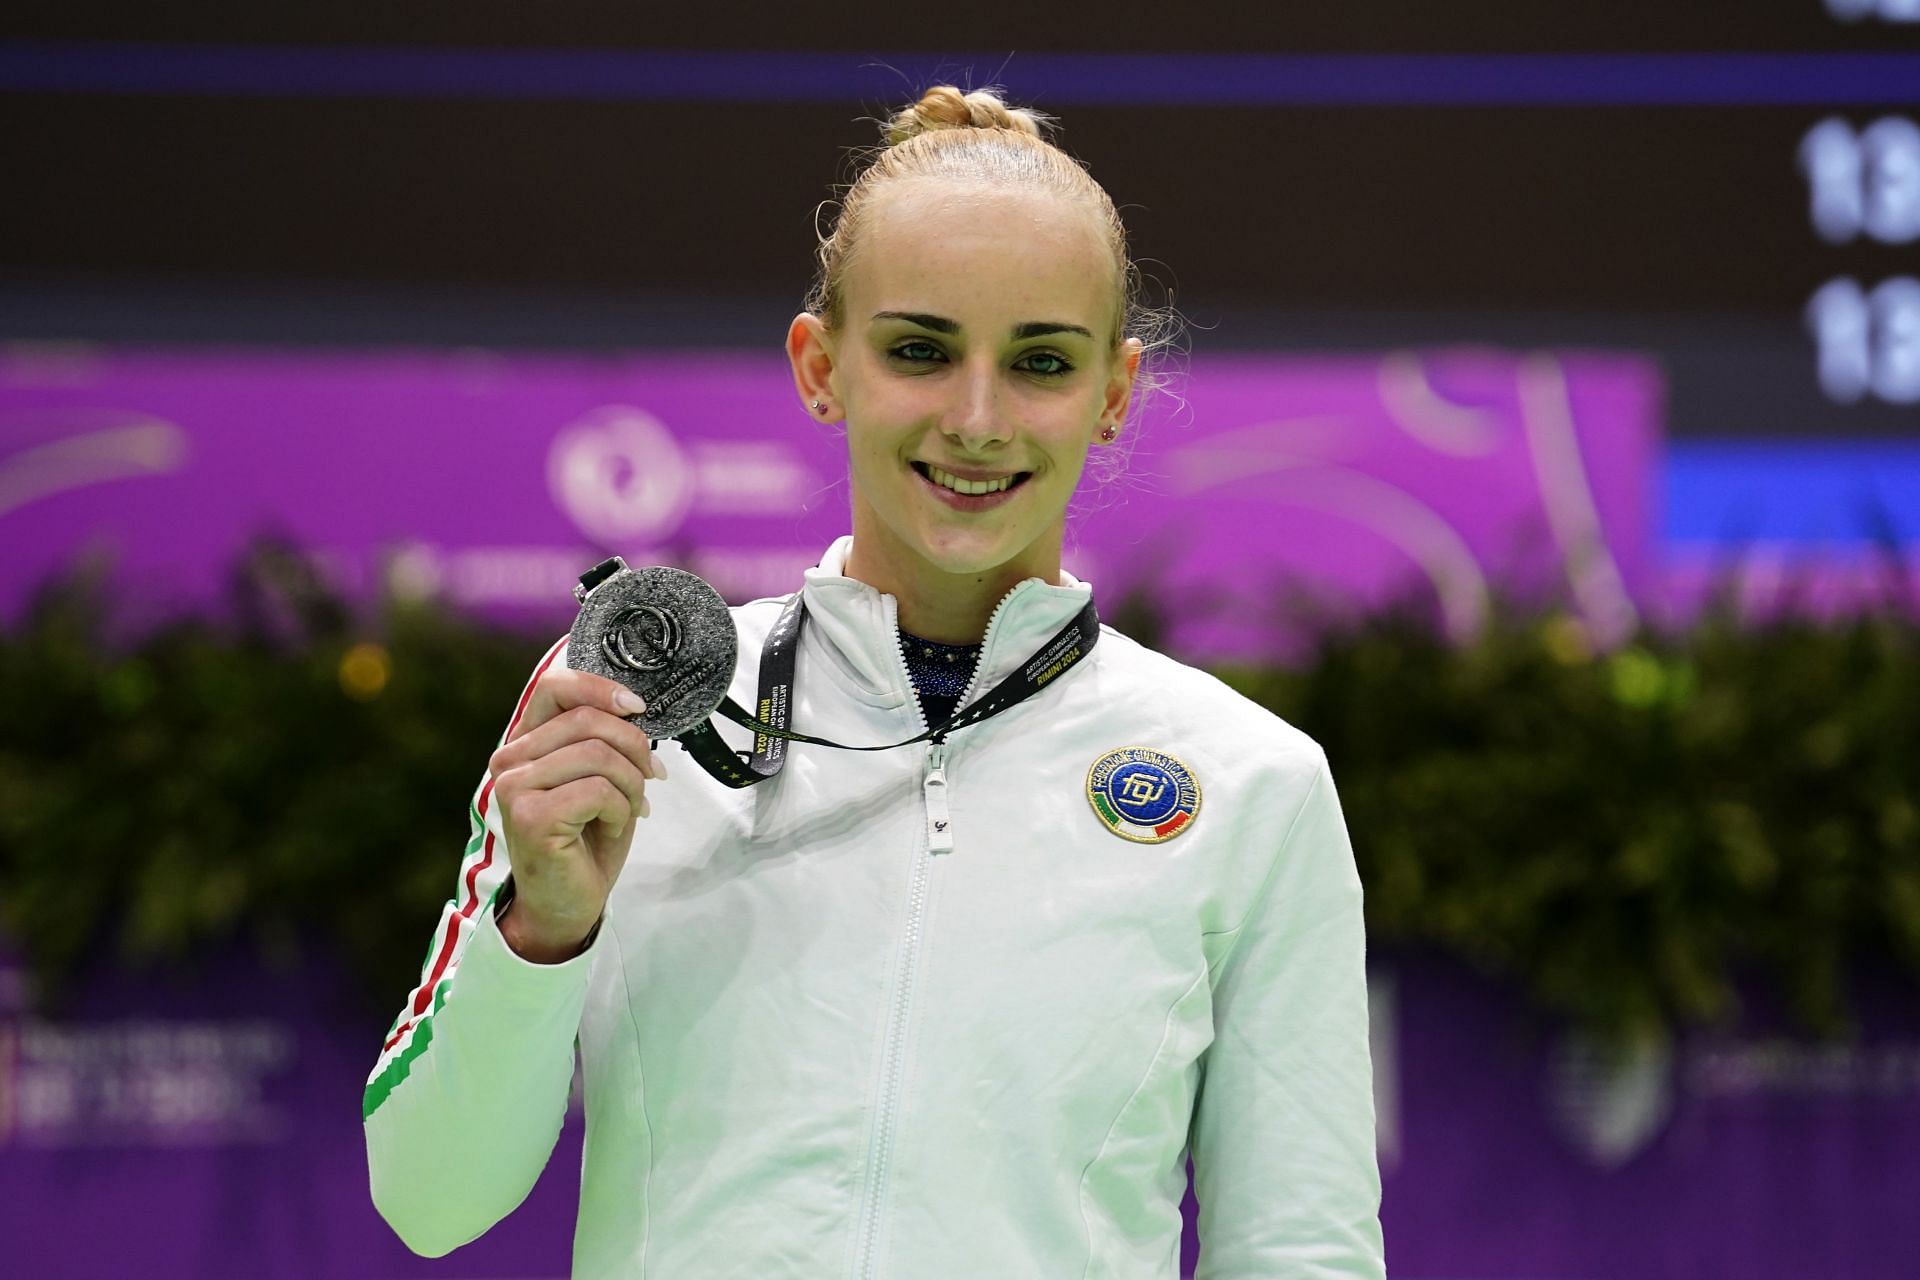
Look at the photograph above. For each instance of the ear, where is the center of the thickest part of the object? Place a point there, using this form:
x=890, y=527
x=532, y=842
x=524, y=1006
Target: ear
x=810, y=350
x=1119, y=389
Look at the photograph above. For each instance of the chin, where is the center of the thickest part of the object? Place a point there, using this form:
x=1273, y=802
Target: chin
x=972, y=556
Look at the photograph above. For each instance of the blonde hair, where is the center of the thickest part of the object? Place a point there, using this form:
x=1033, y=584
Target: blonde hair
x=977, y=138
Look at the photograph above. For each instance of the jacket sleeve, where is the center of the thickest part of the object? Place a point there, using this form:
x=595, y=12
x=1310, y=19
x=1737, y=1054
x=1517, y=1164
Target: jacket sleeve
x=1282, y=1137
x=466, y=1100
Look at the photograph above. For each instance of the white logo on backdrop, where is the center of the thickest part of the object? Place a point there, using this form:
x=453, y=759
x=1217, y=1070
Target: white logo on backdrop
x=119, y=445
x=1611, y=1103
x=1298, y=463
x=620, y=475
x=143, y=1082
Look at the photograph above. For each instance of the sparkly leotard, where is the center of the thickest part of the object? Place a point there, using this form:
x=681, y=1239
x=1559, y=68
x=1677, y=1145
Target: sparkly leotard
x=940, y=673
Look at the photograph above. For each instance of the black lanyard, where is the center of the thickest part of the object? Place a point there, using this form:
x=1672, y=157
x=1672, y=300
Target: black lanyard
x=775, y=705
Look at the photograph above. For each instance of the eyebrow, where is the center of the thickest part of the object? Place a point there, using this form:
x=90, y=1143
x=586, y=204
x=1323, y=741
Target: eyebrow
x=940, y=324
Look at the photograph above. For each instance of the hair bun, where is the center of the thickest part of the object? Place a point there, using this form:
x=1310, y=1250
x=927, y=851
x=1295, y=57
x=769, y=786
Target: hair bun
x=945, y=107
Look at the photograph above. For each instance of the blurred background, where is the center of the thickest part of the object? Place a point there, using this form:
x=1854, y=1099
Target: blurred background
x=1547, y=445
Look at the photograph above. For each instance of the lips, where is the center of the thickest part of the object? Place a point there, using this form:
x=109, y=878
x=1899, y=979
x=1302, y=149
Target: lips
x=979, y=485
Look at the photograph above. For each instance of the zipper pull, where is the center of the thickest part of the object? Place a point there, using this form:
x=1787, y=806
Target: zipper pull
x=939, y=821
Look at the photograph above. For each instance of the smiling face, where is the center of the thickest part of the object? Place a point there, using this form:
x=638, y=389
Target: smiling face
x=974, y=368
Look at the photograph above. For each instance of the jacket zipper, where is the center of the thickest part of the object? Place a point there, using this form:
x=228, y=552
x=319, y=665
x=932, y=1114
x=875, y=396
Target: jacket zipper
x=939, y=821
x=939, y=840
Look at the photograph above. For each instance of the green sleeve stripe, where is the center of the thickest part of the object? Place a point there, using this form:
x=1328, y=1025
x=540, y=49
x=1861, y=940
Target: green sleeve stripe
x=388, y=1077
x=388, y=1080
x=476, y=843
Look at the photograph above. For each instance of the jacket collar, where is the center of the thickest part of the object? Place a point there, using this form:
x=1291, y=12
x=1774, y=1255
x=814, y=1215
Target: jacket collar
x=861, y=624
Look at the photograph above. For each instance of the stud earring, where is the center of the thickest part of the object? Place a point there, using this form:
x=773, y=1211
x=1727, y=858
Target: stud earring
x=1109, y=433
x=818, y=407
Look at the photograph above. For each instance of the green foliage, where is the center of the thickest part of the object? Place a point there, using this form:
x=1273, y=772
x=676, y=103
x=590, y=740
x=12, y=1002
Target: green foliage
x=1629, y=836
x=291, y=777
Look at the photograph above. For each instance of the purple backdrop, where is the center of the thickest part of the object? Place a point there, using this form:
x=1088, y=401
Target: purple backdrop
x=495, y=479
x=168, y=1131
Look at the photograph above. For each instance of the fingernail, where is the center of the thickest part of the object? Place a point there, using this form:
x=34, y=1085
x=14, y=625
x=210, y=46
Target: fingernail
x=646, y=807
x=659, y=768
x=630, y=702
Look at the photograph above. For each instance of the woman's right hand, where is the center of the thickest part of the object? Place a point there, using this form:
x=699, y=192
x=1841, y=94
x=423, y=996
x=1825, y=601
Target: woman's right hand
x=571, y=782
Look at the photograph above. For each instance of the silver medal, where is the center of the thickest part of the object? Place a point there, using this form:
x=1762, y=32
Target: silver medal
x=663, y=633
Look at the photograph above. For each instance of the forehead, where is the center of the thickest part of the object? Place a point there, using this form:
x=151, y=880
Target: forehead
x=981, y=255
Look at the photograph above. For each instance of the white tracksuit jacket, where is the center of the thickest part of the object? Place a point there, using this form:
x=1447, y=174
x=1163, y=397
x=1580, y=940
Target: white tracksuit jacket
x=813, y=1049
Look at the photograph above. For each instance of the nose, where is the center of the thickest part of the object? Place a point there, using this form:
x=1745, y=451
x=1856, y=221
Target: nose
x=975, y=421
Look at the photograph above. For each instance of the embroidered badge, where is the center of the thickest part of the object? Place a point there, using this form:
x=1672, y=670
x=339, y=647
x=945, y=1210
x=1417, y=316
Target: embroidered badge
x=1142, y=794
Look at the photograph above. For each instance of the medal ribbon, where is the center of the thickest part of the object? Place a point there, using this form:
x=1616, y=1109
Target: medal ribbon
x=1051, y=660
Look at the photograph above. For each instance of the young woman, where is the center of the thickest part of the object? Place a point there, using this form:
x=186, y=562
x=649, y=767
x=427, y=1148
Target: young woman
x=959, y=1009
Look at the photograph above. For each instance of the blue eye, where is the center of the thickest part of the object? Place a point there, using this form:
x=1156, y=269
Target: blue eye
x=1061, y=366
x=905, y=347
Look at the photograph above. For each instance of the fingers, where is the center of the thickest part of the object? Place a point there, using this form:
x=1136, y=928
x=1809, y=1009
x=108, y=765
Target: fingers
x=560, y=691
x=572, y=775
x=580, y=724
x=582, y=760
x=596, y=801
x=556, y=818
x=569, y=845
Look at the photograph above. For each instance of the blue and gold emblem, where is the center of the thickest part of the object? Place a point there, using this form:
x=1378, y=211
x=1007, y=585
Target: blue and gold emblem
x=1142, y=794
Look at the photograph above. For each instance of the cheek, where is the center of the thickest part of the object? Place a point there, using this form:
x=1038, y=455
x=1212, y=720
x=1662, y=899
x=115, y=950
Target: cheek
x=871, y=456
x=1071, y=434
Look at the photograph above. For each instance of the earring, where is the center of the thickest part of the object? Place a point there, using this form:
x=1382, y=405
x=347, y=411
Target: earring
x=1109, y=433
x=818, y=407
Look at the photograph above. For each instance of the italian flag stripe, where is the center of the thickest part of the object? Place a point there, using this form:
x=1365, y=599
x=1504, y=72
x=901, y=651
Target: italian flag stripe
x=392, y=1070
x=1172, y=824
x=478, y=861
x=1106, y=810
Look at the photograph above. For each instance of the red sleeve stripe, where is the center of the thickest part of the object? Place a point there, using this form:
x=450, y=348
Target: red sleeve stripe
x=423, y=999
x=486, y=857
x=486, y=795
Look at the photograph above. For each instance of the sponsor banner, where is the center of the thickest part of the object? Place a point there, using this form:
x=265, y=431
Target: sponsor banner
x=1261, y=489
x=1512, y=1149
x=219, y=1136
x=177, y=1129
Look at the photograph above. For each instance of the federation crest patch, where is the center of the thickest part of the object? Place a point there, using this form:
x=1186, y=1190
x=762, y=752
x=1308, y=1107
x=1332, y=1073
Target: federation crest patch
x=1143, y=795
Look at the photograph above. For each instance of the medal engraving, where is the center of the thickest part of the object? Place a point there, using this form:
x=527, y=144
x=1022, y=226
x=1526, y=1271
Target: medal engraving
x=641, y=638
x=663, y=633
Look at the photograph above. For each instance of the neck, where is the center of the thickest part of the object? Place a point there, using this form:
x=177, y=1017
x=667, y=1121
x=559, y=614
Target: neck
x=946, y=608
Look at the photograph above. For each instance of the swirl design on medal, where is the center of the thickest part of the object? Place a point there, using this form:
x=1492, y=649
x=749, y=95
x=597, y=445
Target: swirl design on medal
x=621, y=630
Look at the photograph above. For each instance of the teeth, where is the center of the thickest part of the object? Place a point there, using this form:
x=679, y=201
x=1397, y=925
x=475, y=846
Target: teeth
x=972, y=488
